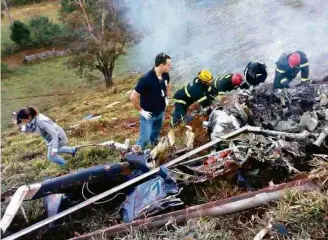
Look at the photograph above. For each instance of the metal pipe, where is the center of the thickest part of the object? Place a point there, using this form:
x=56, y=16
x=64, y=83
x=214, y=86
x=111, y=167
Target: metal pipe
x=300, y=136
x=321, y=137
x=211, y=209
x=122, y=186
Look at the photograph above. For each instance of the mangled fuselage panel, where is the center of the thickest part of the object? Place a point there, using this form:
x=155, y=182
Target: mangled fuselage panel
x=111, y=173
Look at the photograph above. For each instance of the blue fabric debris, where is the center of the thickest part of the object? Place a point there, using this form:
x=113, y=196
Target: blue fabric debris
x=151, y=196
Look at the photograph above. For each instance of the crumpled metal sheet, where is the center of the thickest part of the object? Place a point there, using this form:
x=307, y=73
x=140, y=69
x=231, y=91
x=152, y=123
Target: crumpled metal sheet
x=221, y=122
x=309, y=120
x=152, y=196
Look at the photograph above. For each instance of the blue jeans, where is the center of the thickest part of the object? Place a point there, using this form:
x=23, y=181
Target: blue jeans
x=58, y=159
x=150, y=129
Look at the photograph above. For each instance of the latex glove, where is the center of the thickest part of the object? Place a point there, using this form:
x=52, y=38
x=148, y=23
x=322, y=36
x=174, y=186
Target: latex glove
x=167, y=101
x=14, y=118
x=145, y=114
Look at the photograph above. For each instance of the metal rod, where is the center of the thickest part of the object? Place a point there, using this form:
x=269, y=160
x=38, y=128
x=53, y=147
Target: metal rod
x=210, y=154
x=302, y=135
x=122, y=186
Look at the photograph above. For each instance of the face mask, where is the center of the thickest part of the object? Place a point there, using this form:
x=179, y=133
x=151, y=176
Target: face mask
x=23, y=128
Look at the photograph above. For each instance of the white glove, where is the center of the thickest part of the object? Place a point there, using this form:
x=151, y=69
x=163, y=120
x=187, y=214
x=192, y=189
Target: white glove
x=14, y=118
x=167, y=101
x=145, y=114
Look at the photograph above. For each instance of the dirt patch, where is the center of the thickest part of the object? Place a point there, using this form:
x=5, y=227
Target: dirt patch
x=16, y=60
x=126, y=127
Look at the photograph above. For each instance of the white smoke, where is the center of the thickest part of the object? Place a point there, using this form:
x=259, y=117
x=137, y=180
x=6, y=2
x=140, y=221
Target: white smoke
x=224, y=35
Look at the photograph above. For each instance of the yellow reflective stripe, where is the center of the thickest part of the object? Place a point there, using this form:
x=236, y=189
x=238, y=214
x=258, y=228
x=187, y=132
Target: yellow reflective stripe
x=281, y=71
x=283, y=80
x=304, y=64
x=221, y=93
x=202, y=99
x=186, y=91
x=227, y=76
x=179, y=101
x=304, y=79
x=209, y=89
x=216, y=83
x=222, y=77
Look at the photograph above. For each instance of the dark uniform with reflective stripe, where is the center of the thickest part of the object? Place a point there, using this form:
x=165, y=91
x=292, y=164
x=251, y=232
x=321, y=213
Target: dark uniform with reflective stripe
x=222, y=84
x=255, y=73
x=196, y=91
x=285, y=74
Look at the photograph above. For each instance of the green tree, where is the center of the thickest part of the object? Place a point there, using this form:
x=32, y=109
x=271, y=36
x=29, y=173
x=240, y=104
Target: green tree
x=20, y=33
x=43, y=31
x=100, y=33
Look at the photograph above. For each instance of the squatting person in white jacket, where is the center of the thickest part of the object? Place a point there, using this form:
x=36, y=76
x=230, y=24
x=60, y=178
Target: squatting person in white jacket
x=31, y=121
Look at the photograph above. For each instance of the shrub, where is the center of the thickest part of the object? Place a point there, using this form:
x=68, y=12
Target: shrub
x=43, y=31
x=20, y=33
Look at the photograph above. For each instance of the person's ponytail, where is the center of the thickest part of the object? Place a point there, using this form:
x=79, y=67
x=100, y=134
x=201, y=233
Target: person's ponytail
x=33, y=111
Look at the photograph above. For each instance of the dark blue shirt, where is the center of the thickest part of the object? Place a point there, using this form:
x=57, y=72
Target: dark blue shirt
x=153, y=91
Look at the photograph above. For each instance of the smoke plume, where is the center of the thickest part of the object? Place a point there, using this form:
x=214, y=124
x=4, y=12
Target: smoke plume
x=224, y=35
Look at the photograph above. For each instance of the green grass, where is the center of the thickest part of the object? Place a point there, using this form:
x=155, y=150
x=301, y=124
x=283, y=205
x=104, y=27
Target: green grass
x=5, y=37
x=27, y=85
x=70, y=99
x=24, y=13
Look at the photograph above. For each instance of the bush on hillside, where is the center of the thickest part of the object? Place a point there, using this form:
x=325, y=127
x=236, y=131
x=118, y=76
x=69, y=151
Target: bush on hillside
x=44, y=31
x=20, y=33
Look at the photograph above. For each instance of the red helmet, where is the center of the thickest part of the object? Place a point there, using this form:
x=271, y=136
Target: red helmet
x=236, y=79
x=294, y=60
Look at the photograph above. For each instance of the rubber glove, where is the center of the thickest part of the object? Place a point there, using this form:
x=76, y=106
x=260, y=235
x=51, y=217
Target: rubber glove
x=145, y=114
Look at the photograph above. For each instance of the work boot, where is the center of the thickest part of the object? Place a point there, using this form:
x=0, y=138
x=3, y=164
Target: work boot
x=190, y=137
x=171, y=137
x=160, y=148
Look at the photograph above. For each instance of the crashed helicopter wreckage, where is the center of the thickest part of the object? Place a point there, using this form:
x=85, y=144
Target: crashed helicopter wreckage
x=237, y=149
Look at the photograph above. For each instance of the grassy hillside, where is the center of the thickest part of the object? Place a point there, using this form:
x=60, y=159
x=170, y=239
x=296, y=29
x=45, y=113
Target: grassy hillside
x=24, y=13
x=22, y=153
x=39, y=84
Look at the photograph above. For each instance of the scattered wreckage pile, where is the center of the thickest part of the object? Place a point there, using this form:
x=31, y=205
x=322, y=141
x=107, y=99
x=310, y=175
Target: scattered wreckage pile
x=257, y=139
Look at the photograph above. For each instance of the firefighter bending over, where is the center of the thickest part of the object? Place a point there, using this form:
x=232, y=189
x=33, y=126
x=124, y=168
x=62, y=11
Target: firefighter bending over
x=288, y=66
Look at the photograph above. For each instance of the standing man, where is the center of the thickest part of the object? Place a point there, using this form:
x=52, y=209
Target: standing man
x=288, y=66
x=150, y=97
